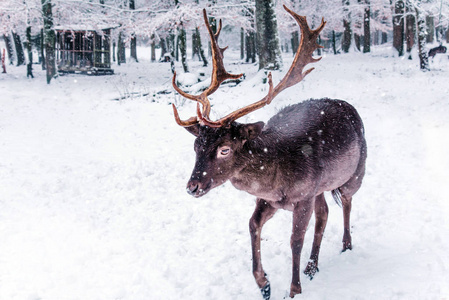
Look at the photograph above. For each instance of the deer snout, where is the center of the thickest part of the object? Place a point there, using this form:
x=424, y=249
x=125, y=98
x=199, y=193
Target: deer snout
x=192, y=187
x=197, y=188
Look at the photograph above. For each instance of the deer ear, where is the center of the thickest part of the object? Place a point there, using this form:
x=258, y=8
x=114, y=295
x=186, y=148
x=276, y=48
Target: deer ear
x=194, y=129
x=251, y=131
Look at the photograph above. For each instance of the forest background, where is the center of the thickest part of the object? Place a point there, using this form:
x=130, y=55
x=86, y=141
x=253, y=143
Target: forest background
x=27, y=25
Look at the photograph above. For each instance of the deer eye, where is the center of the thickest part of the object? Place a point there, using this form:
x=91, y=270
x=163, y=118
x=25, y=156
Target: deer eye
x=223, y=151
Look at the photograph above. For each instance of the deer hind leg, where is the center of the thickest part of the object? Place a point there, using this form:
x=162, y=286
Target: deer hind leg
x=321, y=213
x=347, y=191
x=347, y=240
x=263, y=212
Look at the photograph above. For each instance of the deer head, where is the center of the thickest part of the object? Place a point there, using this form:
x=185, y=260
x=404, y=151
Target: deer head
x=221, y=145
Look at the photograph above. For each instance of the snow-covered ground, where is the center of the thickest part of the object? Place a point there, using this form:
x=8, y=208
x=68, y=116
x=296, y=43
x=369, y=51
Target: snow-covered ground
x=93, y=202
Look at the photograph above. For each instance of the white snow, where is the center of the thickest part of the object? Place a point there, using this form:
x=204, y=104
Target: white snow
x=93, y=202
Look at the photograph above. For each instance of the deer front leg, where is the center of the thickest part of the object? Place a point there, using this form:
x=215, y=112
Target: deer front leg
x=263, y=212
x=321, y=213
x=301, y=217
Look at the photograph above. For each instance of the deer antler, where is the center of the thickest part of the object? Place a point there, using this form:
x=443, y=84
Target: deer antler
x=307, y=45
x=295, y=74
x=219, y=75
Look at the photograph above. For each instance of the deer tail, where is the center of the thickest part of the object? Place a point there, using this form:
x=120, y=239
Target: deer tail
x=336, y=194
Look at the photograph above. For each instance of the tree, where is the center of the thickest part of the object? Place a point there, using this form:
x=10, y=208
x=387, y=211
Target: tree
x=347, y=33
x=267, y=36
x=133, y=46
x=121, y=50
x=410, y=30
x=49, y=36
x=197, y=47
x=430, y=24
x=421, y=22
x=19, y=49
x=9, y=48
x=30, y=53
x=182, y=39
x=366, y=28
x=398, y=26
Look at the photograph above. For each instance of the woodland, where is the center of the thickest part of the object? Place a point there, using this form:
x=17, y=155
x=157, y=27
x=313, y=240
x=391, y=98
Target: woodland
x=27, y=27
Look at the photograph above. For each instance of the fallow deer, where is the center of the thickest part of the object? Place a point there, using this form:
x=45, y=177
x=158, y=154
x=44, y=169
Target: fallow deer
x=304, y=150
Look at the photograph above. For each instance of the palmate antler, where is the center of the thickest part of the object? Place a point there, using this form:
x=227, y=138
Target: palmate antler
x=295, y=74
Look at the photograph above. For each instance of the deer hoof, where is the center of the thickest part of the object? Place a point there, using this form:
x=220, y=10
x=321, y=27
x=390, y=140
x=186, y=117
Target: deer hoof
x=346, y=246
x=311, y=269
x=266, y=291
x=295, y=290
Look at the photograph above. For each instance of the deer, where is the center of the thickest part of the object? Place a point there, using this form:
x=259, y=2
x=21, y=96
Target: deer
x=436, y=50
x=304, y=150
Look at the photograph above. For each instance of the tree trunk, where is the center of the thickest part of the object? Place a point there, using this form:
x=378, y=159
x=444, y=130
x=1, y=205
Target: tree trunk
x=447, y=35
x=357, y=39
x=43, y=62
x=384, y=38
x=19, y=49
x=49, y=33
x=3, y=60
x=163, y=45
x=200, y=48
x=347, y=32
x=171, y=45
x=430, y=29
x=177, y=47
x=133, y=43
x=114, y=46
x=295, y=41
x=121, y=50
x=366, y=28
x=242, y=43
x=334, y=44
x=267, y=36
x=376, y=37
x=153, y=51
x=195, y=50
x=398, y=27
x=9, y=49
x=133, y=46
x=410, y=30
x=421, y=22
x=182, y=40
x=30, y=53
x=251, y=47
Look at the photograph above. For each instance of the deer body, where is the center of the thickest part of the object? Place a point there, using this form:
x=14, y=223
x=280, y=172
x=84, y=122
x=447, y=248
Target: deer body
x=304, y=150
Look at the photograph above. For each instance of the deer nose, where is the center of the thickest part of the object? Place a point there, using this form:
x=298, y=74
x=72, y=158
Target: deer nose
x=192, y=187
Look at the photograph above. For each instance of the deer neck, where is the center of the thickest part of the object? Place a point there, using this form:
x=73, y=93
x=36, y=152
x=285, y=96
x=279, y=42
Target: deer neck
x=259, y=174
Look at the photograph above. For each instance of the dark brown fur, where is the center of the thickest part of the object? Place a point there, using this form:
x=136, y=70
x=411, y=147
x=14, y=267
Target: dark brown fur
x=439, y=49
x=303, y=151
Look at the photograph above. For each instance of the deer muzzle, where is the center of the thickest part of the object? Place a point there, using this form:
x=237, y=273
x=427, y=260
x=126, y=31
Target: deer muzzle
x=197, y=188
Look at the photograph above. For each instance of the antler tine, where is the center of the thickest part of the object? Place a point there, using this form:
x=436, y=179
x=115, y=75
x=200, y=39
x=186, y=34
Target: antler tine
x=219, y=75
x=191, y=121
x=295, y=74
